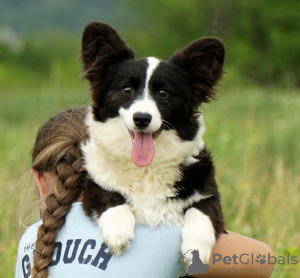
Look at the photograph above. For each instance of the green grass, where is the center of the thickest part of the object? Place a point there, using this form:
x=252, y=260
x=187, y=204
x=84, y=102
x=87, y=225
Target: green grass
x=254, y=137
x=253, y=134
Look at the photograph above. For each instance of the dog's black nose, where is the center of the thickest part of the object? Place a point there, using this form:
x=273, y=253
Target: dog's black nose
x=142, y=120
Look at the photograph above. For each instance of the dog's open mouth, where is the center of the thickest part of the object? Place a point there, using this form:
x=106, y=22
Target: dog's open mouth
x=143, y=149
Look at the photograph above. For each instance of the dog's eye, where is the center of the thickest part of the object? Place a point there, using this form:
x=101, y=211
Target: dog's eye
x=163, y=93
x=127, y=91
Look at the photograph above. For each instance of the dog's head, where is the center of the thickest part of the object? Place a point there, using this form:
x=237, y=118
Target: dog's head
x=151, y=96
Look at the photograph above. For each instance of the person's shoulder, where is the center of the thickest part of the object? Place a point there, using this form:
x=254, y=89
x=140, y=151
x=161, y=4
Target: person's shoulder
x=28, y=239
x=78, y=223
x=25, y=250
x=31, y=232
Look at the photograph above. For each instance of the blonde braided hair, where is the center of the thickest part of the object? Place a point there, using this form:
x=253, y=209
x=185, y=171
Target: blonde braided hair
x=57, y=151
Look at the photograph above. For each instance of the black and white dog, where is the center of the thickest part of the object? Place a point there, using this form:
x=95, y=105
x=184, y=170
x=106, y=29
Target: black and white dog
x=146, y=158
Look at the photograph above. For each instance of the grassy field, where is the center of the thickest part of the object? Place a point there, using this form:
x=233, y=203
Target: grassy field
x=254, y=136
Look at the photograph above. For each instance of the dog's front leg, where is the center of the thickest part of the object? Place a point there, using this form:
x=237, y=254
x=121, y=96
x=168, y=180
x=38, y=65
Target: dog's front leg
x=117, y=228
x=197, y=234
x=109, y=210
x=203, y=223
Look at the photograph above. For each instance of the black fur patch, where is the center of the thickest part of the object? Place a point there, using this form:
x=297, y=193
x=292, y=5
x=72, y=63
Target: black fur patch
x=97, y=200
x=200, y=177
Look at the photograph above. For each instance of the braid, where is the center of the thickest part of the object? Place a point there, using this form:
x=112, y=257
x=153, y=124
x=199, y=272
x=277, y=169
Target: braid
x=65, y=163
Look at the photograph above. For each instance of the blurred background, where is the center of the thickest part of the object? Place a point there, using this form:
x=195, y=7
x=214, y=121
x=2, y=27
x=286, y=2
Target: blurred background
x=253, y=129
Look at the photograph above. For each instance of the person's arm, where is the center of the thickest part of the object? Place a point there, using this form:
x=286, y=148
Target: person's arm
x=235, y=255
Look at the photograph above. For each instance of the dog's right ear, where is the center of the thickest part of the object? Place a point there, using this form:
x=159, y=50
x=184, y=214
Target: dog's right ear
x=101, y=48
x=203, y=62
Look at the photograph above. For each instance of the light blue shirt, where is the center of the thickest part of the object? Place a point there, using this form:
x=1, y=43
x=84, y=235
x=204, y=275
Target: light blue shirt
x=80, y=251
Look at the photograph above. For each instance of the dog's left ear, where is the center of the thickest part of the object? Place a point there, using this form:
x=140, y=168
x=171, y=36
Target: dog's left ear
x=102, y=48
x=203, y=62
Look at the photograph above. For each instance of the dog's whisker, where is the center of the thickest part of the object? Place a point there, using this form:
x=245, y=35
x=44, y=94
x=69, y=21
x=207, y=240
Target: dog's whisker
x=168, y=125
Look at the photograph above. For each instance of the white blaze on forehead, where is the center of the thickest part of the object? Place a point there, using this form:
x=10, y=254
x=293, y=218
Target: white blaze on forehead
x=152, y=65
x=144, y=104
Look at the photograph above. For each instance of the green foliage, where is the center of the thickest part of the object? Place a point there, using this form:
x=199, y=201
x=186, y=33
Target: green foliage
x=39, y=59
x=263, y=40
x=261, y=37
x=31, y=16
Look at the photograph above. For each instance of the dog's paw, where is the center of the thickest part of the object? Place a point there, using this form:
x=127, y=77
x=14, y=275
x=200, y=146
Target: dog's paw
x=198, y=237
x=117, y=228
x=117, y=236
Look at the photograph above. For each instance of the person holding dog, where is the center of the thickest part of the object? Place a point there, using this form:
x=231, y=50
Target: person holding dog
x=66, y=243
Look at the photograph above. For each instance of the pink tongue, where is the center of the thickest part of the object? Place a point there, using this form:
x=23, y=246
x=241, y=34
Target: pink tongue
x=143, y=150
